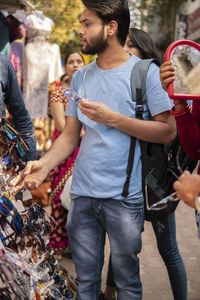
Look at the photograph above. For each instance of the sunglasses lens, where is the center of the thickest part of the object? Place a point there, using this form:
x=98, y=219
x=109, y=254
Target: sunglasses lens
x=158, y=206
x=6, y=202
x=3, y=210
x=6, y=160
x=2, y=239
x=3, y=223
x=68, y=93
x=19, y=219
x=10, y=133
x=20, y=149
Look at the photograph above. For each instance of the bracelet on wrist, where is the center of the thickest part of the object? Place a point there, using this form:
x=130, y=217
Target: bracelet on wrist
x=180, y=112
x=180, y=103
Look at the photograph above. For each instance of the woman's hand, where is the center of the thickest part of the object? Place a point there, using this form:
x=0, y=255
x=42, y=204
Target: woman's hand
x=167, y=74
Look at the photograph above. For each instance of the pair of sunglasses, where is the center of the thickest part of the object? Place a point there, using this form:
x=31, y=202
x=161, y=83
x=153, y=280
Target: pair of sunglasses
x=8, y=134
x=36, y=212
x=14, y=135
x=72, y=95
x=7, y=209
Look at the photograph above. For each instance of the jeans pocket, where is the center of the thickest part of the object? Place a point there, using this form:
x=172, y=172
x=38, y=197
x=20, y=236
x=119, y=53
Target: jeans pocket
x=133, y=206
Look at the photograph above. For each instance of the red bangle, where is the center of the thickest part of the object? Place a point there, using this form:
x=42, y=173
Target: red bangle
x=180, y=103
x=180, y=112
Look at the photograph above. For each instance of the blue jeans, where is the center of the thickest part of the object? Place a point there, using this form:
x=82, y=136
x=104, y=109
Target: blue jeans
x=168, y=249
x=88, y=221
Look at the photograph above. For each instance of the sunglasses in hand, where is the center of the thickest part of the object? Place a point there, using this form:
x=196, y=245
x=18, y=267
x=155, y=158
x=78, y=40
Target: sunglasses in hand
x=72, y=95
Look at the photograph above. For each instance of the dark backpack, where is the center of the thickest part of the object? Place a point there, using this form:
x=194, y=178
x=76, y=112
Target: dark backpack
x=161, y=164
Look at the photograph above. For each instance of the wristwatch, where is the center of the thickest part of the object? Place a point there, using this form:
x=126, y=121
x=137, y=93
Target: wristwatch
x=197, y=202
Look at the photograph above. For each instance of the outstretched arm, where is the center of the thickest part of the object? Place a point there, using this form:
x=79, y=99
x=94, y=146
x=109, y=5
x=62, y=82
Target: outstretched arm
x=36, y=171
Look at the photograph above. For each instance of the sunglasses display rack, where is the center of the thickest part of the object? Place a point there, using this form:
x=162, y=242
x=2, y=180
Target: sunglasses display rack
x=28, y=269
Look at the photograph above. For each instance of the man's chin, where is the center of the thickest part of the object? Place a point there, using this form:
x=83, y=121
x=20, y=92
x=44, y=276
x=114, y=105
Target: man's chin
x=87, y=51
x=84, y=51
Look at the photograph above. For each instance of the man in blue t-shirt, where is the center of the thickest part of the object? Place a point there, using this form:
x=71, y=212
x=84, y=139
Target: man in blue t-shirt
x=107, y=114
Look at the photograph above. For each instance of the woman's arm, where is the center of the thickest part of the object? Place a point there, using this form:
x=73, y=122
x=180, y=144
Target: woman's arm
x=57, y=110
x=187, y=122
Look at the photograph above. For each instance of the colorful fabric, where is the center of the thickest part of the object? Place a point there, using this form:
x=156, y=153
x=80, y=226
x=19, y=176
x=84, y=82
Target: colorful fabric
x=16, y=57
x=17, y=30
x=57, y=95
x=59, y=238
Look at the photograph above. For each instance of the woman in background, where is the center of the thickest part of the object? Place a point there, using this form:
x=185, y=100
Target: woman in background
x=58, y=103
x=140, y=44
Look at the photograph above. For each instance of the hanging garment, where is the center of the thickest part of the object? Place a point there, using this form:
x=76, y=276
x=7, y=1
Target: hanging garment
x=55, y=70
x=17, y=33
x=37, y=60
x=16, y=57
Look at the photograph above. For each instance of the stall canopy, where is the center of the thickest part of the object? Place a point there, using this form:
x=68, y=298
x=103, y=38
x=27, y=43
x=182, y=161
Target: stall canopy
x=12, y=5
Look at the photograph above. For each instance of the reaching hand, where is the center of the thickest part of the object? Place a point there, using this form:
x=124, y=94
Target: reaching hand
x=188, y=187
x=167, y=74
x=31, y=177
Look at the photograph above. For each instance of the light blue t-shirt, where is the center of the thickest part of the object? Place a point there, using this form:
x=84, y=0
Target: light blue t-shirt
x=100, y=169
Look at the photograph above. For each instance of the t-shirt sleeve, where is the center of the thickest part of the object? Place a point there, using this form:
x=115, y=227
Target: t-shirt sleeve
x=157, y=98
x=71, y=110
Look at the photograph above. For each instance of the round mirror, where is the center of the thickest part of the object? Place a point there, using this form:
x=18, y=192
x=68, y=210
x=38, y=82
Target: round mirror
x=185, y=58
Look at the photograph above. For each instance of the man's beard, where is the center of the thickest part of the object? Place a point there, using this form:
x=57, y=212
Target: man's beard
x=97, y=45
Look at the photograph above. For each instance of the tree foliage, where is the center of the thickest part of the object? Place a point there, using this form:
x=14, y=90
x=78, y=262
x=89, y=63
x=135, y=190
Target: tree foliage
x=161, y=12
x=65, y=15
x=164, y=11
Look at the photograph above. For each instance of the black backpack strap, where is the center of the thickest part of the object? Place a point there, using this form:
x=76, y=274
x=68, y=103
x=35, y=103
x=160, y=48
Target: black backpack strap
x=138, y=89
x=129, y=167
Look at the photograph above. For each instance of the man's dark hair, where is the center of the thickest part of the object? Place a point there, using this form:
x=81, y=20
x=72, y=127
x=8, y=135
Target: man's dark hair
x=108, y=10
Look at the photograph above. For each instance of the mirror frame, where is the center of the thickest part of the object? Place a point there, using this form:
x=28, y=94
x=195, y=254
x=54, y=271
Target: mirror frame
x=167, y=57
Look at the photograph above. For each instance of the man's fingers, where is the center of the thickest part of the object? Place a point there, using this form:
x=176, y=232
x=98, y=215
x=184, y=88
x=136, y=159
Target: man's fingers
x=19, y=187
x=18, y=179
x=28, y=168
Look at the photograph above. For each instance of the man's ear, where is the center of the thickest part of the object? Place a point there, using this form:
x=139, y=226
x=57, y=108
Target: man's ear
x=112, y=27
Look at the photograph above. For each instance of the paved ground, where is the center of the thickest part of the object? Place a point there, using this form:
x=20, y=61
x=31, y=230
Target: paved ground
x=153, y=273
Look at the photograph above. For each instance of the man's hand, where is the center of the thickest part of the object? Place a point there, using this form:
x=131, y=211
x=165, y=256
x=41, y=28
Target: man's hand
x=96, y=111
x=188, y=187
x=31, y=177
x=167, y=74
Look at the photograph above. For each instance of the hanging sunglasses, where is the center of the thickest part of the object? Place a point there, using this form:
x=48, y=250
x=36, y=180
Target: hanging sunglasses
x=7, y=209
x=72, y=95
x=13, y=136
x=36, y=211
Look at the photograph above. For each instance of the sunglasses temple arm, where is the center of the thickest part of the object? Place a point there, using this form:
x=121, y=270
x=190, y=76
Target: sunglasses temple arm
x=84, y=87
